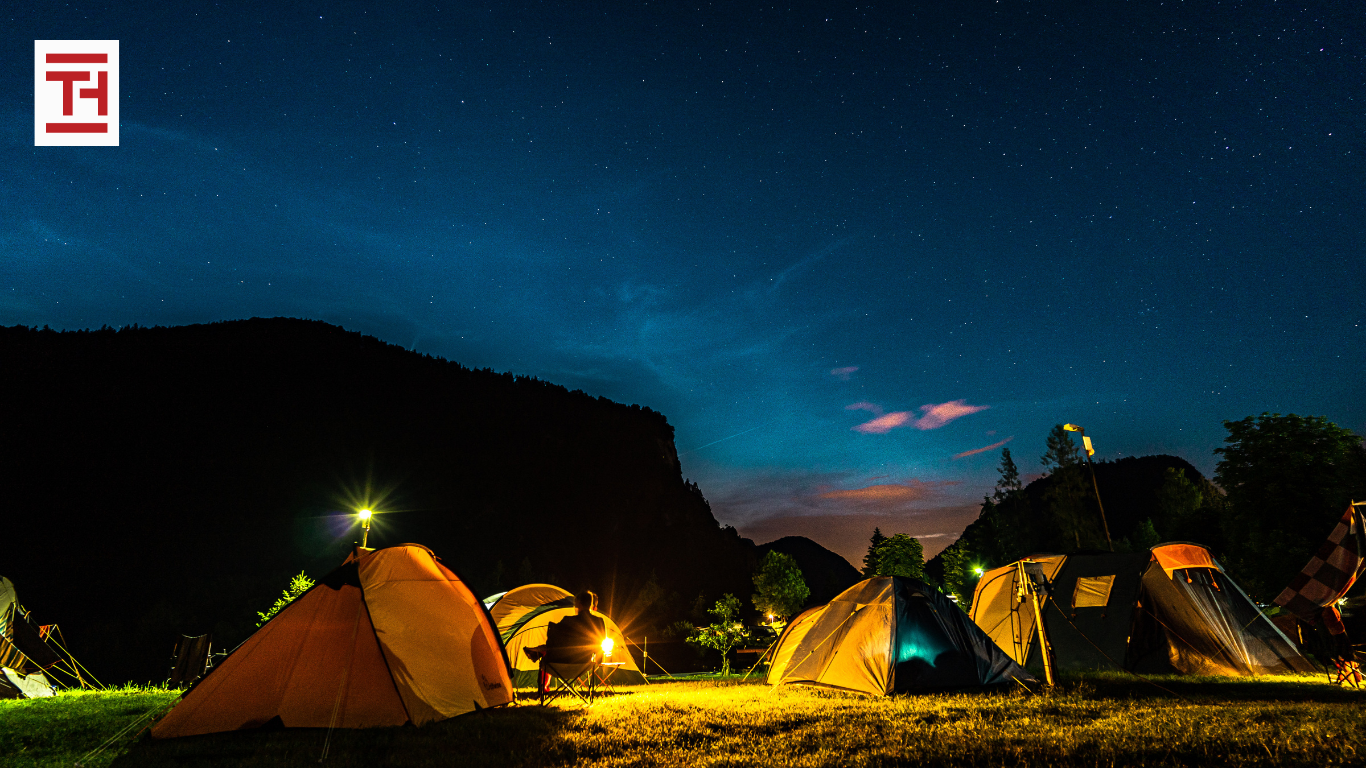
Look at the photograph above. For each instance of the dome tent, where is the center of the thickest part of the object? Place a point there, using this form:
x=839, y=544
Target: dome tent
x=390, y=637
x=1169, y=609
x=887, y=635
x=522, y=615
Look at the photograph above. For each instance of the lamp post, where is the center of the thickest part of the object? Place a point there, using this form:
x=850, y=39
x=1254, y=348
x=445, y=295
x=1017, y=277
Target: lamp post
x=1086, y=443
x=364, y=515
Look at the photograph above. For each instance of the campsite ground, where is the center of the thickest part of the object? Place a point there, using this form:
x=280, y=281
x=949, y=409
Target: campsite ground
x=1095, y=720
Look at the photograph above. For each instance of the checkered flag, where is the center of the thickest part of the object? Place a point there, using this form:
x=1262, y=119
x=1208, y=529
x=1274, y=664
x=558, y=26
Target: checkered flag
x=1330, y=573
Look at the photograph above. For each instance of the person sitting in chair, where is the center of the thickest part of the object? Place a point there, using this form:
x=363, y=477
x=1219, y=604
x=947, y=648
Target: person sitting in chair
x=574, y=639
x=577, y=638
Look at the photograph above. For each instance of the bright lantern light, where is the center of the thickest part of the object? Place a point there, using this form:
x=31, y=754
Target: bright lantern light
x=607, y=646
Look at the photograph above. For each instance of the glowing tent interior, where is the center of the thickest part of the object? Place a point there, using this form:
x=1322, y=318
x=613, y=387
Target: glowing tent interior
x=1171, y=609
x=522, y=615
x=889, y=635
x=390, y=637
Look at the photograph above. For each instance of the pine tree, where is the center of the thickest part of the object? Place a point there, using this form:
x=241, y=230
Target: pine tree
x=1062, y=452
x=870, y=559
x=1066, y=495
x=1010, y=476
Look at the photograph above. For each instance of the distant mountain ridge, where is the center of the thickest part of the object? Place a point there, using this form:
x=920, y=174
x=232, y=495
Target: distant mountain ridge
x=168, y=480
x=826, y=573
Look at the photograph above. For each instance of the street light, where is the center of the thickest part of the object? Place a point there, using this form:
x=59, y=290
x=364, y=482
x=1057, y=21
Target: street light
x=364, y=515
x=1086, y=442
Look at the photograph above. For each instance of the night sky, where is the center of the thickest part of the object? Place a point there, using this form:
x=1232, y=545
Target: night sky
x=848, y=251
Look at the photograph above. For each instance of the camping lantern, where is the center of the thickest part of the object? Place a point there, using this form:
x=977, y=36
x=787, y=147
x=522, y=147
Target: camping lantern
x=607, y=647
x=364, y=526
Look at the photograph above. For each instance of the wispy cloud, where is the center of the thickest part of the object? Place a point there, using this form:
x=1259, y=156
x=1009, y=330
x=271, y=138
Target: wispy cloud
x=933, y=416
x=937, y=416
x=913, y=490
x=983, y=449
x=884, y=423
x=844, y=373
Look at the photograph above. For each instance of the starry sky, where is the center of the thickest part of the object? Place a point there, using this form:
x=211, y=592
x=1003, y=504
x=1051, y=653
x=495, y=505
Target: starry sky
x=849, y=250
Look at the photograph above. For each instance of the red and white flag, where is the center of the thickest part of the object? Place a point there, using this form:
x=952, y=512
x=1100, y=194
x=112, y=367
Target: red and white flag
x=1330, y=573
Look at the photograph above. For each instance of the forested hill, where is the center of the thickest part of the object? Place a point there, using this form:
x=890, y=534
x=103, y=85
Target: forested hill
x=170, y=480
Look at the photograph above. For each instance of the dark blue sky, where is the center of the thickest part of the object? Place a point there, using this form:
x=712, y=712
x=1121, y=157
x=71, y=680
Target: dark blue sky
x=839, y=246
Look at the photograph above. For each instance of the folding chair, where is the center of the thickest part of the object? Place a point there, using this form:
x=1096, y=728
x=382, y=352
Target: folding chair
x=191, y=661
x=571, y=664
x=570, y=678
x=1346, y=670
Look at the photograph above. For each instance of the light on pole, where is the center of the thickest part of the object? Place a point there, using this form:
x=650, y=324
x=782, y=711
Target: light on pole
x=364, y=515
x=1086, y=443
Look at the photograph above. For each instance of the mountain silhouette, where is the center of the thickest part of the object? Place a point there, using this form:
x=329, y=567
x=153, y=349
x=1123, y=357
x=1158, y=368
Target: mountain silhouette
x=161, y=481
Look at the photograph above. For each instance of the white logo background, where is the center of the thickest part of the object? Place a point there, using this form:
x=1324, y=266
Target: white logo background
x=52, y=128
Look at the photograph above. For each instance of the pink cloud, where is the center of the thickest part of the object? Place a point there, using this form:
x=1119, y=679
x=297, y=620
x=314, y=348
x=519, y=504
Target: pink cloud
x=843, y=374
x=914, y=490
x=884, y=423
x=934, y=416
x=975, y=451
x=937, y=416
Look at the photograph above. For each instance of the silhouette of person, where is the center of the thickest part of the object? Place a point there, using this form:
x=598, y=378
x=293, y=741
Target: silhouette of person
x=575, y=639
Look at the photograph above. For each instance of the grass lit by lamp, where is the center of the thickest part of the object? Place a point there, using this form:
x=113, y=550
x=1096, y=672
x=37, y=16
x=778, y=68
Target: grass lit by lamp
x=1111, y=719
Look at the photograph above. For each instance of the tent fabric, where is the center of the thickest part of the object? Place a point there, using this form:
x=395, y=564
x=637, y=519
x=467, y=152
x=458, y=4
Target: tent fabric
x=20, y=686
x=8, y=598
x=889, y=635
x=1192, y=620
x=522, y=615
x=1012, y=630
x=1092, y=592
x=1175, y=556
x=390, y=637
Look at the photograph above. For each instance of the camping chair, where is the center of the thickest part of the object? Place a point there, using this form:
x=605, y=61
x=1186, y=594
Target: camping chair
x=191, y=660
x=573, y=667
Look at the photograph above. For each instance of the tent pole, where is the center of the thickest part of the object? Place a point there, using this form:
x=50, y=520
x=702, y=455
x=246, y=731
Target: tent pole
x=1027, y=584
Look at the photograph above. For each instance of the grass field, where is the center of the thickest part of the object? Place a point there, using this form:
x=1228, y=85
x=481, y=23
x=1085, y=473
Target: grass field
x=1095, y=720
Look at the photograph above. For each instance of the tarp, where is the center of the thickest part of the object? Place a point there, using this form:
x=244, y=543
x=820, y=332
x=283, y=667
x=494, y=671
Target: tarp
x=1171, y=609
x=889, y=635
x=390, y=637
x=522, y=615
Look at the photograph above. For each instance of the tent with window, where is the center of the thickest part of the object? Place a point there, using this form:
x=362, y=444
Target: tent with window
x=390, y=637
x=1171, y=609
x=522, y=615
x=887, y=635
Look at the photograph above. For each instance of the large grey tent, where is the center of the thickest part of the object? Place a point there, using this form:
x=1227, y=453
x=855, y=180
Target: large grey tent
x=1171, y=609
x=886, y=635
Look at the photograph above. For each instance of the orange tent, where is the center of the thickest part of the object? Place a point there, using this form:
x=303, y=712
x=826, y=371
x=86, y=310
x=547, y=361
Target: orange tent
x=390, y=637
